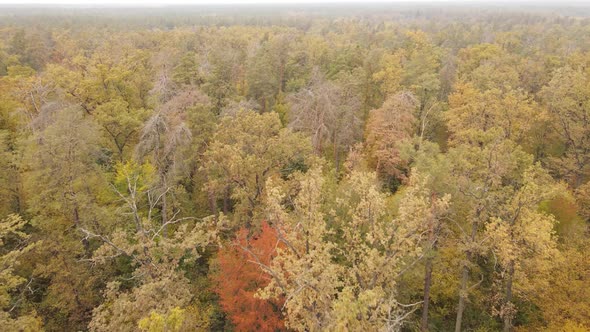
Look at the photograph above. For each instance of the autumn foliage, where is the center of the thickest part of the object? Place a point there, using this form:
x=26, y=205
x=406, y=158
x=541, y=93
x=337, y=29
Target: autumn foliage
x=414, y=168
x=239, y=277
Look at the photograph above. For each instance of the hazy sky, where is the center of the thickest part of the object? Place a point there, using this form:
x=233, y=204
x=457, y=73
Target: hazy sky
x=189, y=2
x=205, y=2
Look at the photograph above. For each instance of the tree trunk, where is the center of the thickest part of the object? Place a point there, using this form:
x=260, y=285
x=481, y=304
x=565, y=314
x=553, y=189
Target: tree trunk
x=164, y=216
x=226, y=200
x=76, y=216
x=281, y=78
x=508, y=301
x=212, y=204
x=462, y=297
x=432, y=238
x=336, y=160
x=465, y=279
x=427, y=283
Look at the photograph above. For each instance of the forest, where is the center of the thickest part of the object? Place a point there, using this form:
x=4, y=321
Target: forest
x=295, y=168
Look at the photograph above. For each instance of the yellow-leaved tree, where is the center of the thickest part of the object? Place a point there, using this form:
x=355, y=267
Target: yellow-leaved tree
x=15, y=243
x=523, y=239
x=338, y=266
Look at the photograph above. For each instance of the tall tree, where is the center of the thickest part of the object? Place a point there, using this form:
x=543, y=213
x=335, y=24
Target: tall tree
x=239, y=279
x=567, y=99
x=387, y=128
x=245, y=151
x=357, y=290
x=157, y=283
x=329, y=113
x=480, y=173
x=15, y=243
x=65, y=191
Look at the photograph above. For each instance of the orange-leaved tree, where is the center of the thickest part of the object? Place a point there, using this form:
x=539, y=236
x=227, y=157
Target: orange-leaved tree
x=240, y=276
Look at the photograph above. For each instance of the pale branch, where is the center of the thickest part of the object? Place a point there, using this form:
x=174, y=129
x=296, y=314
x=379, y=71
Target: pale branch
x=264, y=267
x=90, y=235
x=292, y=295
x=170, y=222
x=476, y=284
x=395, y=322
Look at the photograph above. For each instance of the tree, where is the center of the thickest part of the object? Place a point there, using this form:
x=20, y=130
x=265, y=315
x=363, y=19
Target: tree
x=15, y=243
x=245, y=151
x=523, y=238
x=391, y=74
x=566, y=96
x=303, y=271
x=126, y=311
x=160, y=323
x=121, y=125
x=329, y=113
x=344, y=276
x=227, y=75
x=266, y=73
x=421, y=64
x=187, y=70
x=239, y=279
x=113, y=88
x=157, y=283
x=380, y=250
x=166, y=140
x=488, y=66
x=8, y=189
x=388, y=127
x=65, y=190
x=563, y=299
x=472, y=112
x=478, y=176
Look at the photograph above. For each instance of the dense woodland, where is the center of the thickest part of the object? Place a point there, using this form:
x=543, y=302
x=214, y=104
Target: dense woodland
x=286, y=168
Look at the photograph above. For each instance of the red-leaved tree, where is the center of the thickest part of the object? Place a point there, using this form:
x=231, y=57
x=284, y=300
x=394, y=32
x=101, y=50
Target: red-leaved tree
x=240, y=276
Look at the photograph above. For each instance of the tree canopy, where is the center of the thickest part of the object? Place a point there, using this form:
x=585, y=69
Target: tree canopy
x=350, y=167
